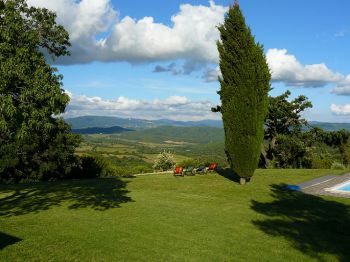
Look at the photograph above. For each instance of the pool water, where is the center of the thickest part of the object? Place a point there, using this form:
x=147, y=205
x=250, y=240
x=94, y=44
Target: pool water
x=345, y=187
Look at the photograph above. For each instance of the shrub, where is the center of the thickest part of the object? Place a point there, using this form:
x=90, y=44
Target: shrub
x=289, y=152
x=164, y=161
x=141, y=169
x=93, y=166
x=338, y=166
x=321, y=162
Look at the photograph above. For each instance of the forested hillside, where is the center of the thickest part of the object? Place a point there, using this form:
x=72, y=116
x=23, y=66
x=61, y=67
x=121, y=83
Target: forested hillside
x=163, y=134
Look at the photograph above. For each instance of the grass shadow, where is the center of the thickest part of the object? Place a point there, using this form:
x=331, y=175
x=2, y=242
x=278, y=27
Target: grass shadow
x=99, y=194
x=7, y=240
x=229, y=174
x=311, y=224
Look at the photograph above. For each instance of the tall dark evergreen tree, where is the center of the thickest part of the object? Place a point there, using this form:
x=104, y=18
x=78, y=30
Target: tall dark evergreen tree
x=245, y=84
x=34, y=143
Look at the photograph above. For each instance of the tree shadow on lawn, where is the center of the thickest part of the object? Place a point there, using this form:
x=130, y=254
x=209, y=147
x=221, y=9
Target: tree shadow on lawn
x=99, y=194
x=7, y=240
x=228, y=174
x=312, y=224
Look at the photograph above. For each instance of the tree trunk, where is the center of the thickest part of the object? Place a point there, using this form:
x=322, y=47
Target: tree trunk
x=242, y=181
x=263, y=157
x=273, y=142
x=272, y=145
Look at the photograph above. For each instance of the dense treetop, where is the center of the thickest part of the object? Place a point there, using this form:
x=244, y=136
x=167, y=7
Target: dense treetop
x=34, y=143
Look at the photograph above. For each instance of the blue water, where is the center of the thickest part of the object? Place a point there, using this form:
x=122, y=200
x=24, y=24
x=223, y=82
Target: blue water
x=344, y=188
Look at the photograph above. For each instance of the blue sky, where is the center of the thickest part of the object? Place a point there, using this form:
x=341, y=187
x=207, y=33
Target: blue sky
x=157, y=59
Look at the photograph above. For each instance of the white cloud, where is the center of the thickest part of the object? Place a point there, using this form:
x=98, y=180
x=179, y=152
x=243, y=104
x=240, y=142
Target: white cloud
x=212, y=75
x=84, y=20
x=174, y=107
x=99, y=34
x=343, y=87
x=192, y=35
x=286, y=68
x=340, y=110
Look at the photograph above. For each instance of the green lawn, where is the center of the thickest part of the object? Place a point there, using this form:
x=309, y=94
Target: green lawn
x=162, y=218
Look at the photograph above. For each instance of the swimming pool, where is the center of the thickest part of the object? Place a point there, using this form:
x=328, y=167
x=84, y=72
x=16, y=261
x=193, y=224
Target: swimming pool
x=343, y=188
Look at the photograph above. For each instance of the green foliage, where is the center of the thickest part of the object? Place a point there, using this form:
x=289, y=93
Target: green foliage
x=289, y=152
x=321, y=162
x=245, y=84
x=93, y=166
x=34, y=144
x=164, y=162
x=141, y=169
x=190, y=162
x=284, y=117
x=96, y=165
x=346, y=154
x=338, y=166
x=337, y=139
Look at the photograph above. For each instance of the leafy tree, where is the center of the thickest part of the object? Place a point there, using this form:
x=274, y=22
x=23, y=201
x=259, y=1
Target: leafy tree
x=164, y=161
x=338, y=139
x=283, y=118
x=245, y=84
x=34, y=143
x=290, y=151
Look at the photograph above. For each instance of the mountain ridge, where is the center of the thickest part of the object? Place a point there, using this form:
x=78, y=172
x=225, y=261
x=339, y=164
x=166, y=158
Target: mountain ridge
x=140, y=124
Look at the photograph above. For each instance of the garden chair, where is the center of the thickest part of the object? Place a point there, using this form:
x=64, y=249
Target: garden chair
x=212, y=167
x=178, y=171
x=189, y=171
x=201, y=170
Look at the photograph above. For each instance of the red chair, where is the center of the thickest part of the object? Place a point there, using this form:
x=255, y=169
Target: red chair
x=178, y=171
x=212, y=167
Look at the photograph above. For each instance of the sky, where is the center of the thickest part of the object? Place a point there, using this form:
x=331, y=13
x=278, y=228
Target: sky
x=158, y=59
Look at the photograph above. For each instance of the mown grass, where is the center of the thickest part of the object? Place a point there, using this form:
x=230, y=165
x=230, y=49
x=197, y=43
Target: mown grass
x=162, y=218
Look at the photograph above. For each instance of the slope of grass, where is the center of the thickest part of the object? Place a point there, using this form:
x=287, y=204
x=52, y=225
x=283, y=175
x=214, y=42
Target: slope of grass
x=162, y=218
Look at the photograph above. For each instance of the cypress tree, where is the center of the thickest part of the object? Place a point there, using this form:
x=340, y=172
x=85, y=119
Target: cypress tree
x=245, y=84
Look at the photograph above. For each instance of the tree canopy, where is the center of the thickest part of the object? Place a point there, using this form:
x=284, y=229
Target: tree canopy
x=34, y=142
x=283, y=118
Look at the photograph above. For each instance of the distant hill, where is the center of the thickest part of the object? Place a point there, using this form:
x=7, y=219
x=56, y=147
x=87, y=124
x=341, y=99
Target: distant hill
x=132, y=123
x=140, y=124
x=101, y=130
x=107, y=121
x=330, y=126
x=177, y=134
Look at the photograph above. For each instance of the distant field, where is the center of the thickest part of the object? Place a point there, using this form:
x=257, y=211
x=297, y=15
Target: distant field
x=162, y=218
x=204, y=144
x=140, y=148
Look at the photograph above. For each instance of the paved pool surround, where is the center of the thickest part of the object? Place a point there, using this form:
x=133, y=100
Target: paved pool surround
x=326, y=186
